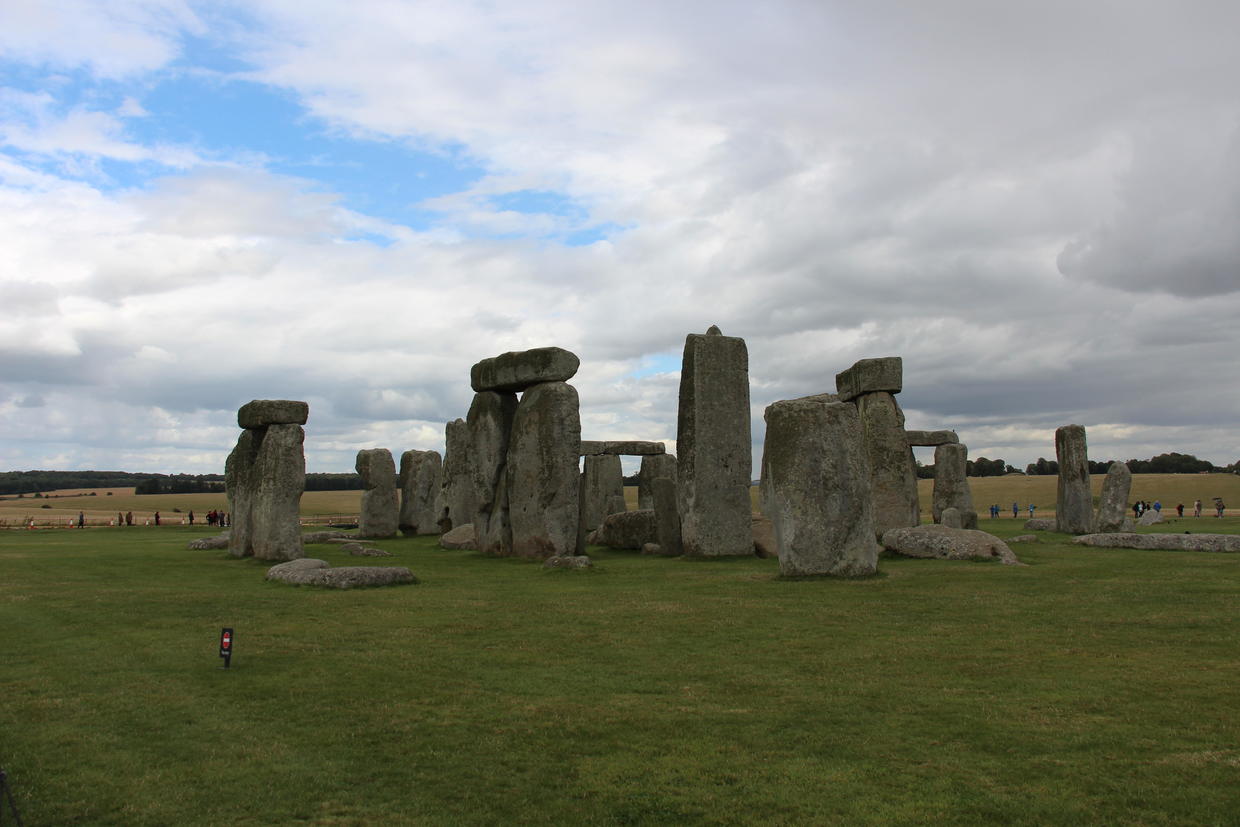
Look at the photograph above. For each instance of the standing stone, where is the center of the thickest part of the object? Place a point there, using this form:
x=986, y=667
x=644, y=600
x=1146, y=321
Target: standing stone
x=490, y=425
x=950, y=518
x=380, y=508
x=1113, y=504
x=420, y=483
x=279, y=478
x=456, y=504
x=951, y=483
x=653, y=467
x=603, y=480
x=1074, y=508
x=543, y=481
x=666, y=516
x=615, y=505
x=713, y=446
x=893, y=479
x=238, y=470
x=816, y=489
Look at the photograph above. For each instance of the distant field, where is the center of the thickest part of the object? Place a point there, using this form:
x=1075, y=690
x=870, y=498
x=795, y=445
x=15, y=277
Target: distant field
x=103, y=507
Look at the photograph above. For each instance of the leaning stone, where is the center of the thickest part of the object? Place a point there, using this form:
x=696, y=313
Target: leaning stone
x=461, y=537
x=204, y=543
x=457, y=505
x=324, y=536
x=653, y=467
x=1113, y=504
x=421, y=478
x=568, y=561
x=517, y=370
x=764, y=544
x=816, y=489
x=1150, y=518
x=931, y=438
x=260, y=413
x=1040, y=524
x=628, y=529
x=379, y=507
x=951, y=484
x=713, y=446
x=870, y=375
x=1224, y=543
x=629, y=448
x=278, y=479
x=950, y=518
x=893, y=481
x=1024, y=538
x=666, y=517
x=543, y=480
x=1074, y=506
x=602, y=480
x=939, y=541
x=490, y=421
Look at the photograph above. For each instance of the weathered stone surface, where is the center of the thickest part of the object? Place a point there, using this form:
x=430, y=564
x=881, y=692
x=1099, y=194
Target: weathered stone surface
x=616, y=504
x=931, y=438
x=543, y=481
x=950, y=518
x=1040, y=524
x=713, y=446
x=1150, y=518
x=869, y=375
x=630, y=448
x=628, y=529
x=1113, y=503
x=260, y=413
x=666, y=517
x=951, y=484
x=968, y=519
x=893, y=480
x=345, y=577
x=324, y=536
x=653, y=467
x=652, y=548
x=568, y=561
x=490, y=430
x=816, y=489
x=1224, y=543
x=517, y=370
x=206, y=543
x=603, y=479
x=277, y=481
x=421, y=479
x=1074, y=506
x=359, y=550
x=1024, y=538
x=457, y=505
x=764, y=543
x=945, y=543
x=461, y=537
x=238, y=474
x=379, y=509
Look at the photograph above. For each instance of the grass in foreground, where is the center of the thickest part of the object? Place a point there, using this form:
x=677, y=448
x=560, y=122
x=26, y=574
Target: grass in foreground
x=1092, y=685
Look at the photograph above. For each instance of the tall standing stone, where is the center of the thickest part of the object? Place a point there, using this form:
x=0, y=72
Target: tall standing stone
x=420, y=483
x=379, y=508
x=1113, y=504
x=713, y=445
x=1074, y=508
x=238, y=470
x=653, y=467
x=265, y=476
x=543, y=481
x=951, y=483
x=604, y=480
x=666, y=516
x=816, y=489
x=490, y=425
x=892, y=477
x=457, y=504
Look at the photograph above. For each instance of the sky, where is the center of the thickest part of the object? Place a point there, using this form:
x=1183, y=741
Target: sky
x=1035, y=204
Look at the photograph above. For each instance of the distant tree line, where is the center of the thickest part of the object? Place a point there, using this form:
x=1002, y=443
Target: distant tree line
x=1172, y=463
x=36, y=482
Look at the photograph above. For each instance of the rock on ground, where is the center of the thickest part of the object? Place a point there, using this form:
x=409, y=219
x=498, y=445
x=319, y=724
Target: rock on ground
x=1040, y=524
x=1150, y=517
x=945, y=543
x=325, y=536
x=461, y=537
x=203, y=543
x=1024, y=538
x=311, y=572
x=627, y=529
x=1163, y=542
x=568, y=561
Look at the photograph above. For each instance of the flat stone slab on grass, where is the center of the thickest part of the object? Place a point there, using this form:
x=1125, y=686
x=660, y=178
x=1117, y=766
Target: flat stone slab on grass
x=359, y=550
x=568, y=561
x=517, y=370
x=327, y=536
x=1025, y=538
x=259, y=413
x=311, y=572
x=1227, y=543
x=945, y=543
x=218, y=541
x=630, y=448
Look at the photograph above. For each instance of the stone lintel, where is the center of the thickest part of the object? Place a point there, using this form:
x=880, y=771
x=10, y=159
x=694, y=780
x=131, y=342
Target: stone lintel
x=516, y=371
x=931, y=439
x=870, y=375
x=259, y=413
x=621, y=447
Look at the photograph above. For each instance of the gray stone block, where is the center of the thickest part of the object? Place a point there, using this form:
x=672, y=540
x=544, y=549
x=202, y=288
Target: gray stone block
x=653, y=467
x=380, y=507
x=628, y=529
x=931, y=438
x=517, y=370
x=1074, y=505
x=869, y=375
x=259, y=413
x=603, y=479
x=457, y=504
x=490, y=421
x=945, y=543
x=893, y=480
x=421, y=479
x=630, y=448
x=951, y=483
x=666, y=517
x=1113, y=503
x=543, y=480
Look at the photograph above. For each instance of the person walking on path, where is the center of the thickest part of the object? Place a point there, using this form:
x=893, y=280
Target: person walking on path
x=1031, y=507
x=1015, y=510
x=191, y=517
x=1196, y=508
x=156, y=518
x=1179, y=510
x=1158, y=506
x=128, y=518
x=81, y=519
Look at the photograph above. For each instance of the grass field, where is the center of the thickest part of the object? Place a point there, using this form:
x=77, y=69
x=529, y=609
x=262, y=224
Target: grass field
x=1092, y=686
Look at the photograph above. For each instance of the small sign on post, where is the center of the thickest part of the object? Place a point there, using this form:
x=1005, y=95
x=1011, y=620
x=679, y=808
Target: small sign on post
x=226, y=644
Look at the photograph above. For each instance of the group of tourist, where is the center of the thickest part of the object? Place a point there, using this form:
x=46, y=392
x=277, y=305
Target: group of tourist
x=995, y=509
x=219, y=518
x=1142, y=506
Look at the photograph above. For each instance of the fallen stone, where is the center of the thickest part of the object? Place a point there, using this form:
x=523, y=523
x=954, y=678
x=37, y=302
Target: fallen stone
x=543, y=481
x=297, y=572
x=260, y=413
x=931, y=438
x=939, y=541
x=628, y=529
x=204, y=543
x=1226, y=543
x=358, y=550
x=317, y=573
x=516, y=371
x=869, y=375
x=461, y=537
x=622, y=448
x=1024, y=538
x=568, y=561
x=764, y=544
x=325, y=536
x=1040, y=524
x=653, y=467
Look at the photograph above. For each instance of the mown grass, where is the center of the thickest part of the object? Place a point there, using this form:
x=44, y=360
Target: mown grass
x=1091, y=686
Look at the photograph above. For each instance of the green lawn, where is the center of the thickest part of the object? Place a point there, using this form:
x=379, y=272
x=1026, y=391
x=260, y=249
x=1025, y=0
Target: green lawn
x=1093, y=686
